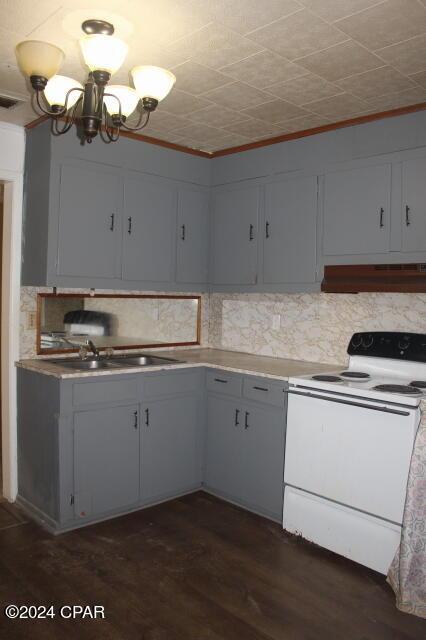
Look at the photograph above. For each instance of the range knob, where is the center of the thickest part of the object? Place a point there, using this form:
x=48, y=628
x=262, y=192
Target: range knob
x=356, y=341
x=404, y=343
x=367, y=340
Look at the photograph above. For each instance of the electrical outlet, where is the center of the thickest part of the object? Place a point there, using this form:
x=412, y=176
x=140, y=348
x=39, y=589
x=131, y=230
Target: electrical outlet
x=276, y=321
x=31, y=320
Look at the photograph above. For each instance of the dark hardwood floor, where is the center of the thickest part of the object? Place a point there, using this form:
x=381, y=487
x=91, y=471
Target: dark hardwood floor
x=192, y=569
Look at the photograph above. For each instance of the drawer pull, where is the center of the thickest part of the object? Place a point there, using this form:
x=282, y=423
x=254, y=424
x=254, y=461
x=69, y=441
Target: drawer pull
x=220, y=380
x=135, y=423
x=260, y=388
x=237, y=415
x=147, y=417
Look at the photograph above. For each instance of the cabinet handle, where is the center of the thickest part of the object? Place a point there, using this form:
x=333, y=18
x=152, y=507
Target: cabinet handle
x=237, y=415
x=261, y=388
x=382, y=211
x=220, y=380
x=407, y=216
x=267, y=230
x=182, y=235
x=135, y=424
x=246, y=424
x=251, y=233
x=147, y=417
x=129, y=227
x=111, y=226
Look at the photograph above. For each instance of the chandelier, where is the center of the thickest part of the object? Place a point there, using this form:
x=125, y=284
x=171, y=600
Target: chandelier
x=97, y=107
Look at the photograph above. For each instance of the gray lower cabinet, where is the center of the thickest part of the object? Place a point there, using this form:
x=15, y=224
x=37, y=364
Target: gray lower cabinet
x=290, y=231
x=96, y=447
x=106, y=460
x=235, y=220
x=170, y=447
x=245, y=444
x=357, y=211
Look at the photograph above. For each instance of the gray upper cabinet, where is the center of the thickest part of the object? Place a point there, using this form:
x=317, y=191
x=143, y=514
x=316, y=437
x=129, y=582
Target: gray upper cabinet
x=170, y=447
x=414, y=205
x=235, y=219
x=192, y=236
x=106, y=460
x=89, y=222
x=290, y=231
x=148, y=230
x=357, y=211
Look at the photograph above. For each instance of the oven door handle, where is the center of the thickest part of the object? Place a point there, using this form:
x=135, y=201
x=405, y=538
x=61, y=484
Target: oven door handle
x=353, y=404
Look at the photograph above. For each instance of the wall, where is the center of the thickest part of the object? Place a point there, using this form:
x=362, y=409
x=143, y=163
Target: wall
x=167, y=317
x=313, y=327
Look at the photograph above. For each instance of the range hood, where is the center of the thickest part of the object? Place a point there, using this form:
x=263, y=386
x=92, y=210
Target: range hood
x=354, y=278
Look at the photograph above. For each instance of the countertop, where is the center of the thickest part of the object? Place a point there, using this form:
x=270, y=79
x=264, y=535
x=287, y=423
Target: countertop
x=264, y=366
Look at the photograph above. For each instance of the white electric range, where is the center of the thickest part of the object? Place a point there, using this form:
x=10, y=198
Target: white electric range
x=349, y=442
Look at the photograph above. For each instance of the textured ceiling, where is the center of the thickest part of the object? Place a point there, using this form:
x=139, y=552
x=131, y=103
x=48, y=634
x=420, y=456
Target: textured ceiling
x=246, y=69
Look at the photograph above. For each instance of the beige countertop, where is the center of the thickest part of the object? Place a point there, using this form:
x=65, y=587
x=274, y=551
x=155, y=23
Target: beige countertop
x=264, y=366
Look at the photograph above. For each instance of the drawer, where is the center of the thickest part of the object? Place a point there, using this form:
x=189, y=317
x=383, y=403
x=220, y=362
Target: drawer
x=224, y=383
x=106, y=391
x=166, y=384
x=263, y=390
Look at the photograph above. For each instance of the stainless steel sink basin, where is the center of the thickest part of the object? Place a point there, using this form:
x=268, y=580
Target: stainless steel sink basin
x=87, y=365
x=115, y=362
x=143, y=361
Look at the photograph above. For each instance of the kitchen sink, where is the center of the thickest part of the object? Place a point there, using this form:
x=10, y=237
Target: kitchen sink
x=93, y=364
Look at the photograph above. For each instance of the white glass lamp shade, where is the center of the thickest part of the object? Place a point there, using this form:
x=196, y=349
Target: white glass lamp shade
x=57, y=88
x=127, y=96
x=103, y=53
x=152, y=82
x=36, y=58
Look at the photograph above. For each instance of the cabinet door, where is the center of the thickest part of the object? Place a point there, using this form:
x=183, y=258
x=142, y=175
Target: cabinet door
x=290, y=232
x=192, y=237
x=234, y=227
x=263, y=459
x=357, y=211
x=106, y=460
x=170, y=444
x=149, y=226
x=90, y=204
x=414, y=205
x=224, y=440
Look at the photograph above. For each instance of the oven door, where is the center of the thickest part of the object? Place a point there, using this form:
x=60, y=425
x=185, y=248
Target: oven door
x=353, y=451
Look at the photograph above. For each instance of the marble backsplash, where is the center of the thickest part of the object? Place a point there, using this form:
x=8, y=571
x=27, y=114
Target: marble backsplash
x=164, y=320
x=314, y=327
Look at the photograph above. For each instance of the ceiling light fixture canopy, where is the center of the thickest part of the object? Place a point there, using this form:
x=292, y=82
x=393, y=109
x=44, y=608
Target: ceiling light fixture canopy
x=97, y=107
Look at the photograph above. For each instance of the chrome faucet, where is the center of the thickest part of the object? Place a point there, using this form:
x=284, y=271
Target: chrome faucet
x=93, y=348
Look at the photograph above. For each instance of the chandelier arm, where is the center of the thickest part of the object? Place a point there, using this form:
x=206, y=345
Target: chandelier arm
x=56, y=113
x=69, y=121
x=138, y=127
x=108, y=129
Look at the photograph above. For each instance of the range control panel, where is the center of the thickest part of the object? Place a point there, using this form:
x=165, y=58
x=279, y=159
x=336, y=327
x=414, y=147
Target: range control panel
x=389, y=344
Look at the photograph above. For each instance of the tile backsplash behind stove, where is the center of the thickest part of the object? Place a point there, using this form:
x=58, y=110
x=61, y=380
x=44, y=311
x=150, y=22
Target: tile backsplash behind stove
x=314, y=327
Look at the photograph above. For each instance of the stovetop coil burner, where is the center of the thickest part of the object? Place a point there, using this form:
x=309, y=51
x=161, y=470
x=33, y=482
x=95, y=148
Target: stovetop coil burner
x=420, y=384
x=403, y=389
x=356, y=375
x=327, y=378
